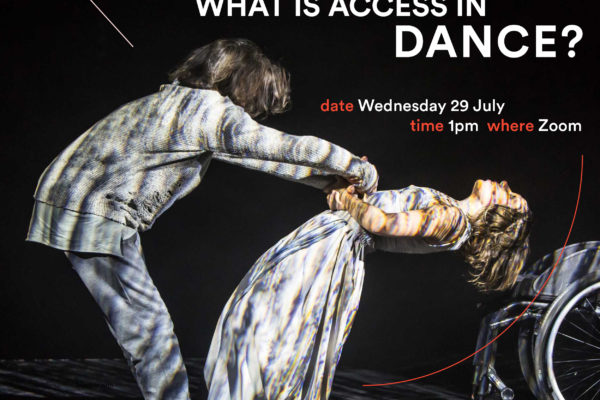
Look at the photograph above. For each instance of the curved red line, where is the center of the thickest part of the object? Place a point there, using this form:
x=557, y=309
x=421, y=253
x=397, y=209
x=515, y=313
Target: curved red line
x=520, y=315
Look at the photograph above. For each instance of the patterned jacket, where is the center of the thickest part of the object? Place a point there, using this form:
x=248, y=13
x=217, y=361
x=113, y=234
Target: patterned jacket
x=134, y=164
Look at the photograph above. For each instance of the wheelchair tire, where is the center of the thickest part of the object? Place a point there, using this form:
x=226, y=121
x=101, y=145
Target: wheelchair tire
x=567, y=348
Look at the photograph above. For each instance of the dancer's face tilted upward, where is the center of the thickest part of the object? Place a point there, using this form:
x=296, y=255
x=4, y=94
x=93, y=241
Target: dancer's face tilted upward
x=487, y=193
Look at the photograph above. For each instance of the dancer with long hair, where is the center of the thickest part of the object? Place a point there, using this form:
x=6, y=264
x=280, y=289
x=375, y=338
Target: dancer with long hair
x=127, y=169
x=281, y=333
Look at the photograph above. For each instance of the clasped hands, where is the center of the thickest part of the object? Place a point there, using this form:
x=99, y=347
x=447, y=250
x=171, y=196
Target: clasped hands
x=340, y=199
x=342, y=192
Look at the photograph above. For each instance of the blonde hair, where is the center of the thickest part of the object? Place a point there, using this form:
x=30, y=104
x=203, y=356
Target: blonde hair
x=498, y=247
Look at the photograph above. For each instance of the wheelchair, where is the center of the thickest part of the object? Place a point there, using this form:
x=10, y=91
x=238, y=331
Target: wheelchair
x=558, y=336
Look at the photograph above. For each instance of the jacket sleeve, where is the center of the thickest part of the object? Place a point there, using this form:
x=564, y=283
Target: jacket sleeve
x=299, y=173
x=242, y=141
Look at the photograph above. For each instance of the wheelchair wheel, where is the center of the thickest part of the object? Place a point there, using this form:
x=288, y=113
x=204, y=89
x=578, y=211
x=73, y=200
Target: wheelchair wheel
x=567, y=349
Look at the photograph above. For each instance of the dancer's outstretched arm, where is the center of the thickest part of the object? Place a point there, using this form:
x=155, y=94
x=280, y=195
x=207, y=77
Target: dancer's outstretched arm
x=440, y=223
x=243, y=141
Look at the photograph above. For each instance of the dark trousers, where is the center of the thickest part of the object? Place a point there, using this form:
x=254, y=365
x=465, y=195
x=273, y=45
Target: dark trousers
x=137, y=317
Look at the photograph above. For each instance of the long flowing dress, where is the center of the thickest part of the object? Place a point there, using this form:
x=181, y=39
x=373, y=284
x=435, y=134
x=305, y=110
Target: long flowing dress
x=281, y=333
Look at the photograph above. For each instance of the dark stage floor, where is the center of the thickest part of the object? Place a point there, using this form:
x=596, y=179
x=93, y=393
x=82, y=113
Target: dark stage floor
x=104, y=378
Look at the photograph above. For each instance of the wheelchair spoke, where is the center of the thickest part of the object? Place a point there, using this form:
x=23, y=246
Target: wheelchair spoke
x=596, y=394
x=574, y=361
x=570, y=338
x=580, y=381
x=593, y=308
x=574, y=371
x=579, y=364
x=578, y=367
x=579, y=341
x=571, y=372
x=587, y=319
x=568, y=350
x=588, y=389
x=596, y=338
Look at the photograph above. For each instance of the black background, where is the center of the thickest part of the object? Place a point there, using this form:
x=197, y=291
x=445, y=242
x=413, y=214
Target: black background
x=66, y=67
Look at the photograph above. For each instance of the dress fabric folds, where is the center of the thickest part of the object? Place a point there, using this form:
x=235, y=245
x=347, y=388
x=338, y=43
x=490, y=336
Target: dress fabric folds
x=281, y=333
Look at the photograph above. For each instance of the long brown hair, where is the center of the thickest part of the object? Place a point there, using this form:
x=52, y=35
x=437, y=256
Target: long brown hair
x=239, y=69
x=497, y=247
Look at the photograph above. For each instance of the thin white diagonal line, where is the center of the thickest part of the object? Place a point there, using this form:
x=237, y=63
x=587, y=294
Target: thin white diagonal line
x=108, y=19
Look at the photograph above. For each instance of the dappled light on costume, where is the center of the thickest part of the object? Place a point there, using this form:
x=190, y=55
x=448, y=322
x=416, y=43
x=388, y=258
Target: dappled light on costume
x=282, y=331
